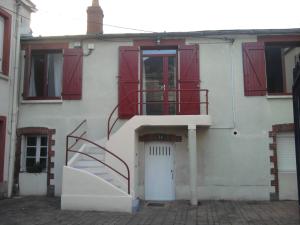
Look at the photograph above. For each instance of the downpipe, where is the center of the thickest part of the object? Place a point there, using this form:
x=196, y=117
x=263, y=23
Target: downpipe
x=14, y=104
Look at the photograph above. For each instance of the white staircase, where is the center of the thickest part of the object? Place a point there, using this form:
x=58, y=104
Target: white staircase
x=90, y=185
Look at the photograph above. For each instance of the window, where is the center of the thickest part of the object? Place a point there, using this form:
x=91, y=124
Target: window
x=35, y=153
x=46, y=74
x=159, y=81
x=53, y=71
x=5, y=36
x=269, y=63
x=2, y=22
x=280, y=61
x=170, y=84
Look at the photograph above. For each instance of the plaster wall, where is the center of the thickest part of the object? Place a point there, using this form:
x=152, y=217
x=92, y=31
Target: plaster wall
x=6, y=87
x=231, y=166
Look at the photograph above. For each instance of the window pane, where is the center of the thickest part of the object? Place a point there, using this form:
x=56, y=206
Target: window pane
x=30, y=162
x=274, y=70
x=44, y=141
x=43, y=163
x=54, y=74
x=37, y=77
x=153, y=80
x=290, y=53
x=31, y=141
x=159, y=52
x=44, y=151
x=1, y=40
x=31, y=151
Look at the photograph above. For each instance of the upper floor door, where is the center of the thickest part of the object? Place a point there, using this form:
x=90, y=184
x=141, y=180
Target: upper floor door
x=159, y=86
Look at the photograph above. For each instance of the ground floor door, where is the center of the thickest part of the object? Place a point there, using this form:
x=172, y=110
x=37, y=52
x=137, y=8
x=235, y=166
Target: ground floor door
x=159, y=171
x=287, y=175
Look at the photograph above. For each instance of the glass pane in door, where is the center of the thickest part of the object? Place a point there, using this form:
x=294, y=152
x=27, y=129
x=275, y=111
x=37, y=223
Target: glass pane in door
x=172, y=85
x=153, y=84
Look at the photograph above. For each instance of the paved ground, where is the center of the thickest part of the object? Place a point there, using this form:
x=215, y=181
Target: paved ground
x=40, y=210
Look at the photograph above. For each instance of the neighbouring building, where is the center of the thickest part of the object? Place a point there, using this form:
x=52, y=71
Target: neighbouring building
x=107, y=119
x=14, y=22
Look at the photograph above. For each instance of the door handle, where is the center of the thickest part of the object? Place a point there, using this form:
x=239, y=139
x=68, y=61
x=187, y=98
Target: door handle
x=172, y=172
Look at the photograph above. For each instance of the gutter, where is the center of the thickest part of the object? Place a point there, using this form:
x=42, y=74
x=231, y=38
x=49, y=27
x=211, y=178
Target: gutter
x=14, y=105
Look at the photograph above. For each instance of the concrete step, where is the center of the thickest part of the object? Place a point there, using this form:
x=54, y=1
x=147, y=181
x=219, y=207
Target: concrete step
x=94, y=170
x=100, y=156
x=106, y=176
x=92, y=149
x=87, y=163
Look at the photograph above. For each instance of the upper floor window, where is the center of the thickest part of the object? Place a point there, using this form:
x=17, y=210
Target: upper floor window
x=5, y=36
x=280, y=61
x=1, y=41
x=269, y=65
x=53, y=71
x=46, y=74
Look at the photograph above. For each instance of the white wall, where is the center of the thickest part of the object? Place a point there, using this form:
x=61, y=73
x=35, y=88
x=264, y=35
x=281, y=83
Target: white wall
x=230, y=166
x=5, y=87
x=6, y=84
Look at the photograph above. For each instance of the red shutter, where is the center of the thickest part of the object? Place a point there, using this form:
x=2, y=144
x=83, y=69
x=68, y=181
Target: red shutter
x=254, y=69
x=189, y=80
x=128, y=82
x=2, y=145
x=72, y=74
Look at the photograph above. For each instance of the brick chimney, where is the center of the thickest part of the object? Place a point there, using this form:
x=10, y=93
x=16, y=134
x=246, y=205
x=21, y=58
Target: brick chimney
x=94, y=18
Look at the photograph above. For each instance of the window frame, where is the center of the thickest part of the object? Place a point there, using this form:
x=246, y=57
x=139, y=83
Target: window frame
x=165, y=103
x=281, y=46
x=37, y=156
x=281, y=40
x=45, y=48
x=6, y=41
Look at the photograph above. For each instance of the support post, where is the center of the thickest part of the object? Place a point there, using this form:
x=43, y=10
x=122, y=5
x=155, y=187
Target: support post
x=192, y=148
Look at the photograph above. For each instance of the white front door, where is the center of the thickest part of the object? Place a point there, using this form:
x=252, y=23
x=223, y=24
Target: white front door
x=159, y=171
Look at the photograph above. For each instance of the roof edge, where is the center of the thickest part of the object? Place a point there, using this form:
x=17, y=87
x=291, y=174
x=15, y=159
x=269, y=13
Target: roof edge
x=205, y=33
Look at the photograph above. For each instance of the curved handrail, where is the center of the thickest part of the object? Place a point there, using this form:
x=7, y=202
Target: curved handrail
x=110, y=127
x=76, y=141
x=109, y=152
x=79, y=125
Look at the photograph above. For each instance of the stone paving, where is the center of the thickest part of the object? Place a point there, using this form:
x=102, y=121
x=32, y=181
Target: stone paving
x=43, y=210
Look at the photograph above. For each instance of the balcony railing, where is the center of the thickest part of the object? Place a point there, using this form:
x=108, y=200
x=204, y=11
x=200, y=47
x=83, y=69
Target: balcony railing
x=140, y=105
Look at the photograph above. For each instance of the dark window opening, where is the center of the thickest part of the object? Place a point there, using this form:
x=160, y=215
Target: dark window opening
x=280, y=61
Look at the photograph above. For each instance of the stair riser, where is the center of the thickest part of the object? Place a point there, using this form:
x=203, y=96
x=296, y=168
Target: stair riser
x=88, y=163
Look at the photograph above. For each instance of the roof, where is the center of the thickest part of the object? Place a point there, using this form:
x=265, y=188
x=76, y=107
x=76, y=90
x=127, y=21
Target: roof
x=30, y=5
x=206, y=33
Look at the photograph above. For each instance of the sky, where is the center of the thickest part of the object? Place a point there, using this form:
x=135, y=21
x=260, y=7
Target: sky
x=68, y=17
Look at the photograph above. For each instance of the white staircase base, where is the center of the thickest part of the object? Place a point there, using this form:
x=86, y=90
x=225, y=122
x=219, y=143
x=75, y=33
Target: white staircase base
x=82, y=190
x=96, y=203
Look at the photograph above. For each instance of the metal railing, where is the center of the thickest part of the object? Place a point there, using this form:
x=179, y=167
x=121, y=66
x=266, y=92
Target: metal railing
x=138, y=105
x=81, y=138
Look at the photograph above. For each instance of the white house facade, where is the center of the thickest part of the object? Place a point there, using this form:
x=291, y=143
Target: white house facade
x=108, y=119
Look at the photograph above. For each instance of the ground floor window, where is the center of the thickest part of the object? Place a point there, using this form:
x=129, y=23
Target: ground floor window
x=35, y=154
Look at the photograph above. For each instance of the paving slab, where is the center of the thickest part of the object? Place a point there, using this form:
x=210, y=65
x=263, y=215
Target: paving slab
x=46, y=211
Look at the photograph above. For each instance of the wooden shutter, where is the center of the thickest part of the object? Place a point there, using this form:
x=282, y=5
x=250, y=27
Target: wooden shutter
x=72, y=74
x=128, y=82
x=189, y=80
x=254, y=69
x=2, y=145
